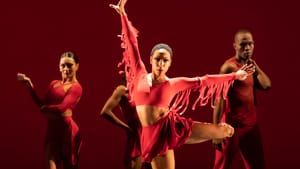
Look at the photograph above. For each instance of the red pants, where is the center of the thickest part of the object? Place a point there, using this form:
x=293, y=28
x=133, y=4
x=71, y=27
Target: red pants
x=247, y=141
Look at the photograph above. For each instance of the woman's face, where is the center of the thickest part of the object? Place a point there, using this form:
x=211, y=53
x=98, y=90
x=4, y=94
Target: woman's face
x=160, y=61
x=67, y=67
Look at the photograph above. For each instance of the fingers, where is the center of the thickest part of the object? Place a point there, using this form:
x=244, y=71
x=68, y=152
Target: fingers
x=242, y=74
x=120, y=7
x=20, y=76
x=248, y=68
x=251, y=61
x=114, y=6
x=117, y=8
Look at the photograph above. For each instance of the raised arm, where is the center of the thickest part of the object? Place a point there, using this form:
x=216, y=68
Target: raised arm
x=112, y=102
x=262, y=80
x=26, y=80
x=131, y=55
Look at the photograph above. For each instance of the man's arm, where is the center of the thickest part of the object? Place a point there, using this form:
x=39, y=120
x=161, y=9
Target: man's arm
x=261, y=78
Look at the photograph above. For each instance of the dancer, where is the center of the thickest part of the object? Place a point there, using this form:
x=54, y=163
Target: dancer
x=63, y=140
x=163, y=129
x=132, y=126
x=242, y=109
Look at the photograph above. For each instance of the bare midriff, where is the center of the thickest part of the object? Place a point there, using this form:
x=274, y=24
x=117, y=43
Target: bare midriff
x=148, y=115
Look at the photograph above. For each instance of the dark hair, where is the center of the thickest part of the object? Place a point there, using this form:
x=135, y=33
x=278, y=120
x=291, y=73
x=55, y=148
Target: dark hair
x=70, y=55
x=123, y=80
x=162, y=46
x=239, y=32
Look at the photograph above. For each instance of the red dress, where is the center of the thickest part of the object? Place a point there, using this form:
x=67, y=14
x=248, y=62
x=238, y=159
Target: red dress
x=62, y=132
x=171, y=131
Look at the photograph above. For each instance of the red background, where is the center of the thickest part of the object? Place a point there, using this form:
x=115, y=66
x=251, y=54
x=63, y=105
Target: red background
x=34, y=33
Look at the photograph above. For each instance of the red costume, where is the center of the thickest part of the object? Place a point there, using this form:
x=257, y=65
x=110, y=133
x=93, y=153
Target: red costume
x=62, y=132
x=171, y=131
x=133, y=147
x=242, y=116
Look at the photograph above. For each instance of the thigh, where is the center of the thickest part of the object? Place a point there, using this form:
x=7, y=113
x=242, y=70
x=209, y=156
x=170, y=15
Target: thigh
x=164, y=161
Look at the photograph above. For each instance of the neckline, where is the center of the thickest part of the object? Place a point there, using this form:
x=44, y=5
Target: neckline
x=149, y=80
x=68, y=83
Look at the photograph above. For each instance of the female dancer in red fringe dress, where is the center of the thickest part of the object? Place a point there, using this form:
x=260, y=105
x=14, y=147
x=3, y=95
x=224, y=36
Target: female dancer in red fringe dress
x=163, y=129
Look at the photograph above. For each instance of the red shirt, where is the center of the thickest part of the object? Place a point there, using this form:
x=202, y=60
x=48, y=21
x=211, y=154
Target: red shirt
x=241, y=100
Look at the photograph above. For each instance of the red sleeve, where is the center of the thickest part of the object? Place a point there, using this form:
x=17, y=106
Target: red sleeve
x=184, y=83
x=217, y=79
x=131, y=57
x=130, y=44
x=69, y=102
x=210, y=87
x=40, y=101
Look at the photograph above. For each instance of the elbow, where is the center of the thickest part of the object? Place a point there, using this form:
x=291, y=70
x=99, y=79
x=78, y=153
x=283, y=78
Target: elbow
x=267, y=86
x=103, y=112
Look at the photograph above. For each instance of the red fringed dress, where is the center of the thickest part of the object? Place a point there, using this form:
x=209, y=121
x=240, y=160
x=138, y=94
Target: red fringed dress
x=171, y=131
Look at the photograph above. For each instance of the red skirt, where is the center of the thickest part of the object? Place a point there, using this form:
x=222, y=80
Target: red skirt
x=169, y=132
x=63, y=135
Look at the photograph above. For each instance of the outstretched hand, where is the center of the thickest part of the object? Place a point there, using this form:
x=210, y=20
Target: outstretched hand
x=245, y=71
x=120, y=7
x=23, y=78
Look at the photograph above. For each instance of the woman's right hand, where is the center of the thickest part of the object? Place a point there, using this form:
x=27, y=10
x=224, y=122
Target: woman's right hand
x=22, y=77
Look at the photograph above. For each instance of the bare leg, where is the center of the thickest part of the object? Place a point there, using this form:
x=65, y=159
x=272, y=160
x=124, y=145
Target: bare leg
x=206, y=131
x=50, y=157
x=165, y=161
x=51, y=164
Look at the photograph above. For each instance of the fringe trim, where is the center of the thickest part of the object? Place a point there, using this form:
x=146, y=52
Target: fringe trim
x=128, y=32
x=207, y=91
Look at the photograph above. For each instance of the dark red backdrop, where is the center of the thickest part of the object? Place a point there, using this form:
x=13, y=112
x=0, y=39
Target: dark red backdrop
x=34, y=33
